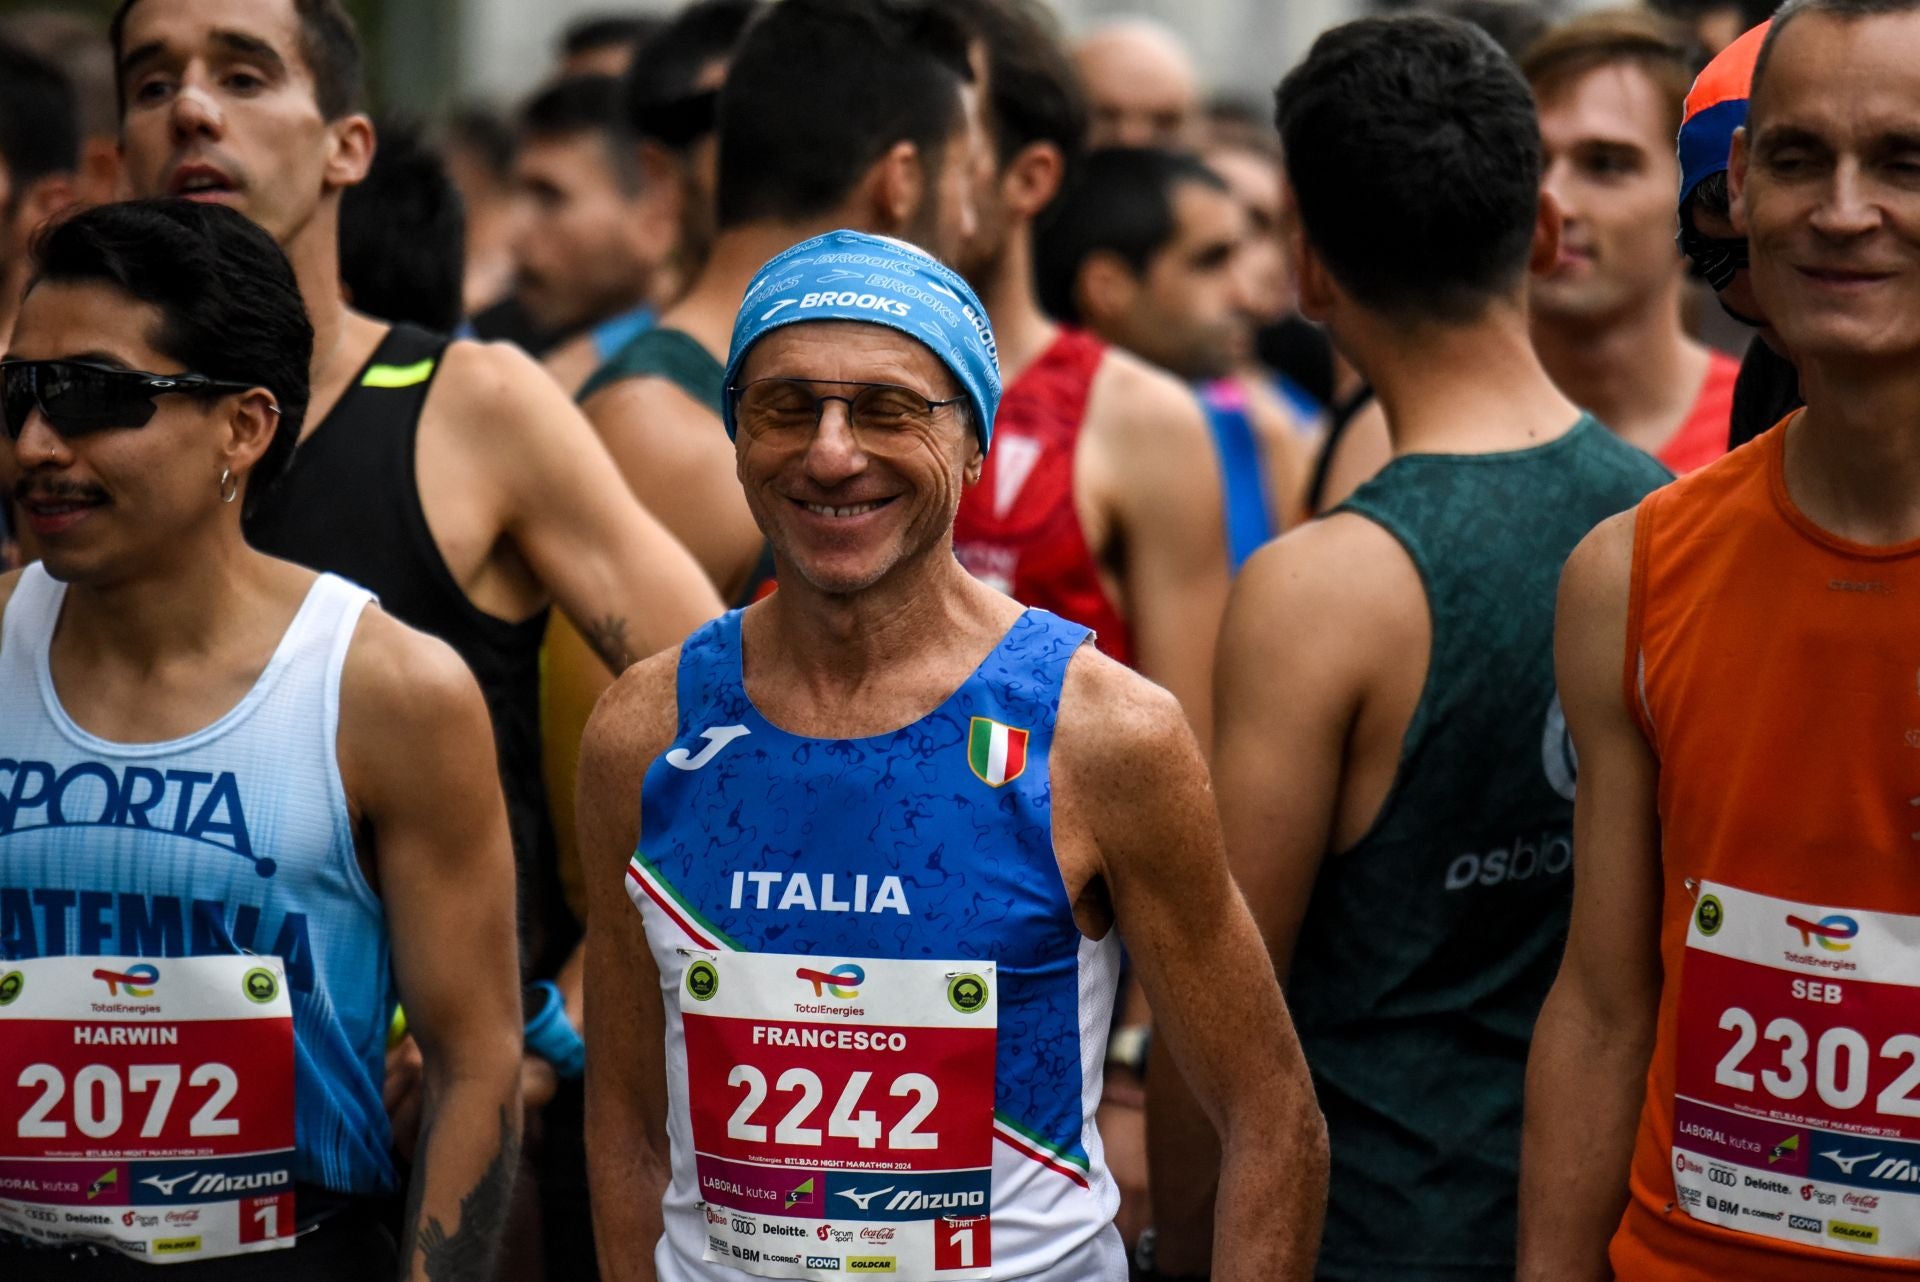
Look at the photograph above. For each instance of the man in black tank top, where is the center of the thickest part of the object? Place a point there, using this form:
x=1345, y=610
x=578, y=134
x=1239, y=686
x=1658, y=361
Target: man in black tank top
x=453, y=479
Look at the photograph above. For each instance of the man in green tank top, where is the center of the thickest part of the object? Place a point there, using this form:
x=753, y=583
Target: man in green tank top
x=1392, y=767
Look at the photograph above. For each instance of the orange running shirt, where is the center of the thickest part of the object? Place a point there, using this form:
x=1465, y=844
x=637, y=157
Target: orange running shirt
x=1775, y=670
x=1702, y=437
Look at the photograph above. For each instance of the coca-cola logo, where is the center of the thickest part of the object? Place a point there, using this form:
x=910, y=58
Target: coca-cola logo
x=1862, y=1201
x=876, y=1235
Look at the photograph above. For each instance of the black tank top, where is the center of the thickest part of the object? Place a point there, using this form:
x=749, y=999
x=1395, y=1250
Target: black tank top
x=349, y=503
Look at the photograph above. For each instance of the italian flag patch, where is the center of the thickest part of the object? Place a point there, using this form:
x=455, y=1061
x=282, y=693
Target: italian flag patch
x=997, y=753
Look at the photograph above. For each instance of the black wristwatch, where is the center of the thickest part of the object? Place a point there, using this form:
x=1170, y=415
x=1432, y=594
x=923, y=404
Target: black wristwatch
x=1146, y=1266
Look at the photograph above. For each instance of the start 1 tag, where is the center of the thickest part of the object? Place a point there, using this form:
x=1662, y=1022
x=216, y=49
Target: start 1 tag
x=1797, y=1074
x=842, y=1113
x=146, y=1105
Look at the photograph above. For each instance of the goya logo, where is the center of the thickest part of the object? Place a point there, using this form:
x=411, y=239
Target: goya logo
x=140, y=980
x=260, y=985
x=1831, y=933
x=966, y=993
x=842, y=981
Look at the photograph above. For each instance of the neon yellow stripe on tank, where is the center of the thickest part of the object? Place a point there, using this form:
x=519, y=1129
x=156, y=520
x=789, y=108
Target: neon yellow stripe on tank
x=394, y=376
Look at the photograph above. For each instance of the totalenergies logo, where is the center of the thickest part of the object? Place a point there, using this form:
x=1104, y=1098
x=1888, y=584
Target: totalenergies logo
x=842, y=981
x=138, y=979
x=1831, y=932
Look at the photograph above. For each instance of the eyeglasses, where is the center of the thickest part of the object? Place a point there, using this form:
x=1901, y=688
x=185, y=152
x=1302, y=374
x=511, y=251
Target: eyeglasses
x=1717, y=260
x=788, y=410
x=80, y=398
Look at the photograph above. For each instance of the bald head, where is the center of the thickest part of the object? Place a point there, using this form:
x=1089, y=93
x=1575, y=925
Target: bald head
x=1141, y=87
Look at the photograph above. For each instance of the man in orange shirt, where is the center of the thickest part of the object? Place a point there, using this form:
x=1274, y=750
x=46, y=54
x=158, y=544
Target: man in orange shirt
x=1606, y=317
x=1729, y=1054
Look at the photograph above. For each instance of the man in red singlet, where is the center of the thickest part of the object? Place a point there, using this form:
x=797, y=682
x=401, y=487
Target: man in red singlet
x=1606, y=318
x=1102, y=501
x=1729, y=1054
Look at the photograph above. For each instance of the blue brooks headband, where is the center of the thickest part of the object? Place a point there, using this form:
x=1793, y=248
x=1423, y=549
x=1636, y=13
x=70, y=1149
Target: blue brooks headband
x=853, y=276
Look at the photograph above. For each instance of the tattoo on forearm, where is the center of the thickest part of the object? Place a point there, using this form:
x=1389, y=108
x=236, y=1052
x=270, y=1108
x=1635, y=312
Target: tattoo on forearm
x=608, y=638
x=467, y=1253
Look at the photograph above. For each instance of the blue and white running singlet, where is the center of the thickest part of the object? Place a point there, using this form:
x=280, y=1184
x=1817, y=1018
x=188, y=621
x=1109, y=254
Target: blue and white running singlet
x=884, y=1030
x=233, y=839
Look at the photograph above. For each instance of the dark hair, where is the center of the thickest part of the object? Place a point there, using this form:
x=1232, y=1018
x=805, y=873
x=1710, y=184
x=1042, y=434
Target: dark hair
x=403, y=234
x=74, y=44
x=1752, y=12
x=1712, y=195
x=480, y=131
x=329, y=45
x=1033, y=91
x=1844, y=10
x=583, y=105
x=38, y=133
x=1413, y=150
x=229, y=303
x=599, y=30
x=1122, y=204
x=660, y=95
x=820, y=89
x=1513, y=24
x=1614, y=37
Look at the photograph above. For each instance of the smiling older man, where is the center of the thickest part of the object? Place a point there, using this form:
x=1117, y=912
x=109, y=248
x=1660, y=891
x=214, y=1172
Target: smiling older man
x=888, y=824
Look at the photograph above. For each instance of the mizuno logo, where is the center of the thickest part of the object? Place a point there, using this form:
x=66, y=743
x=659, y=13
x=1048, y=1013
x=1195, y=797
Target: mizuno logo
x=1846, y=1164
x=863, y=1200
x=717, y=737
x=165, y=1186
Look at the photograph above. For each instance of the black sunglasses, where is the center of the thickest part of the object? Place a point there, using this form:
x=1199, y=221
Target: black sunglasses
x=80, y=398
x=1717, y=260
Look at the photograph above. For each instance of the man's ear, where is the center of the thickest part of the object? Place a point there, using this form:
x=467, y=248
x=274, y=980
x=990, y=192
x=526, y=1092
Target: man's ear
x=44, y=199
x=976, y=462
x=1032, y=179
x=1105, y=288
x=1737, y=181
x=350, y=146
x=250, y=431
x=895, y=186
x=1319, y=295
x=1547, y=223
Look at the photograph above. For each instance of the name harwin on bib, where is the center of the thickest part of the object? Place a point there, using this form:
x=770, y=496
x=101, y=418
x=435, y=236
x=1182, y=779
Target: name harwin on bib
x=146, y=1104
x=842, y=1113
x=1797, y=1081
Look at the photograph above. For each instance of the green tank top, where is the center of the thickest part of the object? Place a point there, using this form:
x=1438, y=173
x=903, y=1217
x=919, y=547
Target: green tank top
x=1428, y=947
x=672, y=354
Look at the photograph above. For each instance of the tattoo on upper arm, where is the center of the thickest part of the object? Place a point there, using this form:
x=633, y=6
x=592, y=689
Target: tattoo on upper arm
x=608, y=637
x=467, y=1253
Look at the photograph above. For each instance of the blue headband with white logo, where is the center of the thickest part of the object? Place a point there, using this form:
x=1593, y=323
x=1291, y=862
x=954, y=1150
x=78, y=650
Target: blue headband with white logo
x=852, y=276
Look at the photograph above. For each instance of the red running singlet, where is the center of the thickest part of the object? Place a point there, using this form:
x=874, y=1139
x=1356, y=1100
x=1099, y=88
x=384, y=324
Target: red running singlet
x=1018, y=529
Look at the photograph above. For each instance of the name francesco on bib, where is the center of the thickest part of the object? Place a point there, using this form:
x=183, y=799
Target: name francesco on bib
x=1797, y=1081
x=842, y=1112
x=147, y=1104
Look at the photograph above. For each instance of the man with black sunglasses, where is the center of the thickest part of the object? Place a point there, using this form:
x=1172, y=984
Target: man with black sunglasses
x=245, y=811
x=453, y=479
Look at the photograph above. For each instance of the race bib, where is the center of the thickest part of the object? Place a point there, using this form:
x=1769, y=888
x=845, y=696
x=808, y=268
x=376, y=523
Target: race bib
x=147, y=1105
x=842, y=1113
x=1797, y=1109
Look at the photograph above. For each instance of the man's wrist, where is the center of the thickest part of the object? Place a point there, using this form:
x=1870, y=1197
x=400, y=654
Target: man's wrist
x=550, y=1034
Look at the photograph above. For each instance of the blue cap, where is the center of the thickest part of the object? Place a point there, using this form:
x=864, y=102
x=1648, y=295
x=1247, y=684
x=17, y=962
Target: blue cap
x=854, y=276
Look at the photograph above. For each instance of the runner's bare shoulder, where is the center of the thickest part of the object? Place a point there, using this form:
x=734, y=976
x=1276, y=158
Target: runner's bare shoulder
x=635, y=720
x=1119, y=736
x=402, y=693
